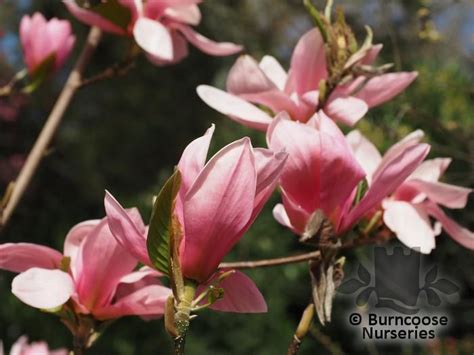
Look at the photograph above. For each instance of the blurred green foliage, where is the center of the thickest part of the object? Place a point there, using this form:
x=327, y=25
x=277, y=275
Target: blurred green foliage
x=127, y=133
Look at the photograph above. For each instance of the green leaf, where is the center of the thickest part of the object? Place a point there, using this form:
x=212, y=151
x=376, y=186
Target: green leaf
x=40, y=74
x=362, y=188
x=161, y=224
x=111, y=10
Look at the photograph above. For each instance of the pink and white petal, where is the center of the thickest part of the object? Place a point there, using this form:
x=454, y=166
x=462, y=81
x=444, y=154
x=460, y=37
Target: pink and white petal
x=411, y=225
x=301, y=178
x=92, y=19
x=320, y=171
x=188, y=14
x=384, y=87
x=246, y=77
x=308, y=64
x=19, y=257
x=277, y=101
x=279, y=213
x=18, y=347
x=274, y=71
x=365, y=152
x=205, y=44
x=372, y=54
x=311, y=98
x=126, y=231
x=296, y=213
x=431, y=170
x=149, y=301
x=386, y=180
x=193, y=159
x=348, y=110
x=74, y=239
x=217, y=208
x=154, y=38
x=269, y=167
x=241, y=295
x=180, y=51
x=460, y=234
x=234, y=107
x=140, y=274
x=43, y=288
x=101, y=263
x=444, y=194
x=395, y=150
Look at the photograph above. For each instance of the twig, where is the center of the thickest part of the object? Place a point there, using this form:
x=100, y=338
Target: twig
x=271, y=262
x=298, y=258
x=116, y=70
x=51, y=125
x=326, y=341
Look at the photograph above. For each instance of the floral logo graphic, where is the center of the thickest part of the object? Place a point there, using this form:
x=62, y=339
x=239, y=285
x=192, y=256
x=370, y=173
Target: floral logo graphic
x=396, y=282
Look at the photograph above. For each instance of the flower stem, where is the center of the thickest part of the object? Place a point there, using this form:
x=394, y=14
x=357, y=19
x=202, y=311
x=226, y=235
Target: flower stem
x=52, y=123
x=183, y=316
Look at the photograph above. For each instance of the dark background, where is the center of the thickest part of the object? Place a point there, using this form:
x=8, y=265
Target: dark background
x=127, y=133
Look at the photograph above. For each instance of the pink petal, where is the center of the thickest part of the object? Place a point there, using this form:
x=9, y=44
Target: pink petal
x=274, y=71
x=188, y=14
x=206, y=45
x=21, y=347
x=411, y=225
x=180, y=51
x=193, y=159
x=279, y=213
x=269, y=168
x=384, y=87
x=246, y=77
x=372, y=54
x=19, y=257
x=60, y=34
x=278, y=101
x=241, y=295
x=157, y=8
x=460, y=234
x=390, y=174
x=74, y=239
x=149, y=300
x=365, y=152
x=126, y=231
x=308, y=64
x=153, y=38
x=217, y=208
x=398, y=148
x=444, y=194
x=296, y=213
x=92, y=19
x=101, y=263
x=234, y=107
x=321, y=171
x=347, y=110
x=42, y=288
x=431, y=170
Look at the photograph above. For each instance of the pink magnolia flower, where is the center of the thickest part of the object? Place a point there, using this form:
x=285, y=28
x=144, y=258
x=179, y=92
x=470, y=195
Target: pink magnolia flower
x=323, y=173
x=408, y=210
x=267, y=84
x=21, y=347
x=100, y=279
x=41, y=40
x=216, y=204
x=162, y=28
